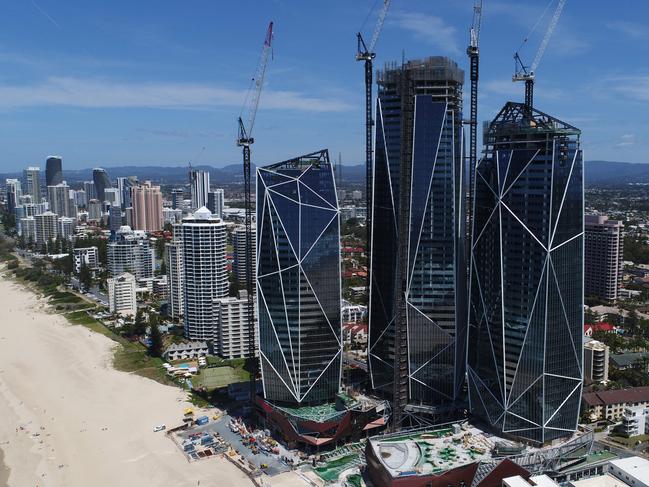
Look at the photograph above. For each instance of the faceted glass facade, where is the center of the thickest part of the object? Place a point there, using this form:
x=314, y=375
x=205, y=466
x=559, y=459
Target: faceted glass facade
x=526, y=275
x=298, y=280
x=433, y=239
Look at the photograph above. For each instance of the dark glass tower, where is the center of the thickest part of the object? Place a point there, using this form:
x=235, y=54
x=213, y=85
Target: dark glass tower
x=417, y=298
x=298, y=280
x=525, y=313
x=102, y=181
x=53, y=171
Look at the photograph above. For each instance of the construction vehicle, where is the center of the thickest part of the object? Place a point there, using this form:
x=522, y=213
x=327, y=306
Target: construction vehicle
x=245, y=140
x=528, y=73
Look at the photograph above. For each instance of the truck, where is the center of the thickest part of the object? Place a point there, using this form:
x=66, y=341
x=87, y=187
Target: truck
x=202, y=420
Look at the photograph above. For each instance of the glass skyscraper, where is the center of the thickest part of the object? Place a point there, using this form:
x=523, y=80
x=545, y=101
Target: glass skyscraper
x=526, y=275
x=418, y=258
x=102, y=181
x=298, y=280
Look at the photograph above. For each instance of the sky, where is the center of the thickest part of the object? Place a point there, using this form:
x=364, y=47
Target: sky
x=162, y=82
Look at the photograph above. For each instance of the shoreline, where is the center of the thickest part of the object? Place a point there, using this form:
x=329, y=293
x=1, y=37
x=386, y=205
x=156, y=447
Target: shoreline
x=71, y=418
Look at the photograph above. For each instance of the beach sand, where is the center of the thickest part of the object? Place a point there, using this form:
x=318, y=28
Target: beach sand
x=4, y=471
x=69, y=419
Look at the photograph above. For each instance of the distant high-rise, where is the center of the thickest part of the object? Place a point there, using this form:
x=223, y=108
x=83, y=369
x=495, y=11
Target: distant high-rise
x=115, y=219
x=14, y=192
x=215, y=202
x=175, y=273
x=59, y=200
x=199, y=184
x=124, y=186
x=131, y=252
x=102, y=181
x=298, y=280
x=32, y=181
x=80, y=198
x=526, y=302
x=204, y=242
x=604, y=248
x=113, y=197
x=147, y=207
x=89, y=188
x=28, y=229
x=177, y=196
x=239, y=255
x=418, y=299
x=53, y=171
x=47, y=229
x=94, y=210
x=67, y=227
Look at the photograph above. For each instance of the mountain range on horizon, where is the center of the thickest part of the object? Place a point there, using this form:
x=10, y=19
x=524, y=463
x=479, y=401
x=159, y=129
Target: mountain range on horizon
x=597, y=173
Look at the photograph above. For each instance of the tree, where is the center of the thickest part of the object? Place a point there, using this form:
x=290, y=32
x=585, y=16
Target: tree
x=85, y=276
x=631, y=322
x=139, y=327
x=155, y=350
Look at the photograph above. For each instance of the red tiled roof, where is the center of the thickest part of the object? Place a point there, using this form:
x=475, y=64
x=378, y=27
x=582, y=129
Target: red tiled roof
x=603, y=326
x=617, y=396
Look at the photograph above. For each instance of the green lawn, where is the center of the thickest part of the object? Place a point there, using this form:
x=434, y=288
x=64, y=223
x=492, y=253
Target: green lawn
x=217, y=377
x=629, y=442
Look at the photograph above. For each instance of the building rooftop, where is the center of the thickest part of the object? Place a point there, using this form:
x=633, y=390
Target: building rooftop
x=635, y=467
x=606, y=480
x=617, y=396
x=628, y=359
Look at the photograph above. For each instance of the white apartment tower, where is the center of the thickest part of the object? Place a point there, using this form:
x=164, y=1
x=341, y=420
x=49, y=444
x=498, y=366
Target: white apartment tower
x=47, y=227
x=174, y=256
x=205, y=272
x=199, y=182
x=603, y=246
x=130, y=252
x=233, y=329
x=122, y=294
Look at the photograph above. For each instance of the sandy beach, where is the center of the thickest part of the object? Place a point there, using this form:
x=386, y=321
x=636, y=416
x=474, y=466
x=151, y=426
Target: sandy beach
x=69, y=419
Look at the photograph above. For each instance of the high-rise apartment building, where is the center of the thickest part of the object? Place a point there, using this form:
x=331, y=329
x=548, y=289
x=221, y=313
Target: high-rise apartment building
x=113, y=197
x=122, y=294
x=596, y=361
x=175, y=273
x=94, y=210
x=85, y=256
x=89, y=188
x=147, y=207
x=604, y=249
x=80, y=198
x=526, y=303
x=130, y=252
x=298, y=280
x=216, y=202
x=199, y=185
x=417, y=291
x=47, y=228
x=53, y=171
x=28, y=229
x=177, y=196
x=13, y=194
x=124, y=186
x=67, y=227
x=101, y=182
x=233, y=330
x=204, y=242
x=115, y=219
x=239, y=255
x=32, y=181
x=59, y=200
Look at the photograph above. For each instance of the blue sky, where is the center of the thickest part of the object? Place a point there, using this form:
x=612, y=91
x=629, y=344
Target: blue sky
x=154, y=82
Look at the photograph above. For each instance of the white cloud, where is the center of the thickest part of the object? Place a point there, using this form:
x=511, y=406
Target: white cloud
x=428, y=28
x=633, y=87
x=626, y=140
x=630, y=29
x=102, y=93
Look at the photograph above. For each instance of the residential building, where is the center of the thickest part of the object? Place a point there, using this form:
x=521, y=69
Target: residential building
x=113, y=197
x=233, y=337
x=418, y=270
x=169, y=215
x=13, y=194
x=175, y=274
x=634, y=421
x=47, y=228
x=121, y=294
x=101, y=182
x=53, y=171
x=28, y=229
x=199, y=185
x=85, y=256
x=298, y=281
x=124, y=186
x=32, y=180
x=239, y=254
x=596, y=361
x=89, y=188
x=67, y=227
x=59, y=200
x=353, y=313
x=603, y=250
x=205, y=273
x=611, y=404
x=216, y=202
x=147, y=207
x=130, y=252
x=177, y=196
x=526, y=302
x=631, y=360
x=94, y=210
x=186, y=351
x=115, y=218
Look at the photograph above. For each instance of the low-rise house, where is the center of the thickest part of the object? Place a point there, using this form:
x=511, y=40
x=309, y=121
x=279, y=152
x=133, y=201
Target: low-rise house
x=187, y=350
x=630, y=360
x=611, y=404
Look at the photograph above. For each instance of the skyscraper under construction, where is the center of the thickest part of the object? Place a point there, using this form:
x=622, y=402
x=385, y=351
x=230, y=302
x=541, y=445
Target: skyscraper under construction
x=417, y=297
x=526, y=277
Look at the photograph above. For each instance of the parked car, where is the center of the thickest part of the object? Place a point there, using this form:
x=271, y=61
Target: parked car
x=160, y=427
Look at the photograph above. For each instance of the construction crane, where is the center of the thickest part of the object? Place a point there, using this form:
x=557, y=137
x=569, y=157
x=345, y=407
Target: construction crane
x=528, y=73
x=473, y=51
x=245, y=140
x=366, y=53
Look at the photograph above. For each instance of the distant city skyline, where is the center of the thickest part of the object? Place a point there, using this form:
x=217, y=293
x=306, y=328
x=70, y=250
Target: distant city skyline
x=110, y=85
